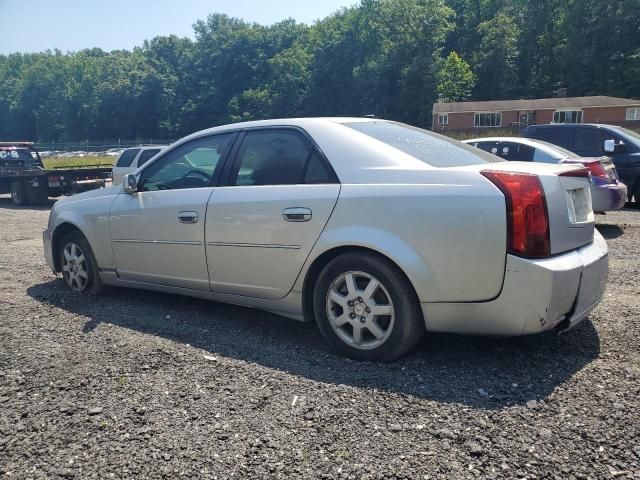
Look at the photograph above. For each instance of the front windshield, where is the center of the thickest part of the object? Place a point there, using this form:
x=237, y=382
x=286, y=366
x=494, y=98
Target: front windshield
x=629, y=133
x=431, y=148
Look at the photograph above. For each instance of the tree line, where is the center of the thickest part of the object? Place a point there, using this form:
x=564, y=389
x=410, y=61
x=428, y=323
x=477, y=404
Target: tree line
x=392, y=58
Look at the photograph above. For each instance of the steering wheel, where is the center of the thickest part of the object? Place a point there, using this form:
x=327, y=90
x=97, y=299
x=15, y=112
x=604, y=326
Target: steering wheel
x=198, y=172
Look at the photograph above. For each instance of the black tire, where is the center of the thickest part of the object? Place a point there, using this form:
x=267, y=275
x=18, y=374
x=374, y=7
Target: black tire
x=407, y=327
x=38, y=195
x=93, y=285
x=636, y=194
x=19, y=193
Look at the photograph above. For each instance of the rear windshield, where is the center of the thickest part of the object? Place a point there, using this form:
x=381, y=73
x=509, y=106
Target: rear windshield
x=15, y=154
x=146, y=155
x=436, y=150
x=127, y=157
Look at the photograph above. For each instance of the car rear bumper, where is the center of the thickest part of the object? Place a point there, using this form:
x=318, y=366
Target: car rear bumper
x=537, y=295
x=48, y=254
x=608, y=197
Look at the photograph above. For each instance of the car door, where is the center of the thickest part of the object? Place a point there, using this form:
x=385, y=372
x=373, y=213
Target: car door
x=261, y=226
x=157, y=234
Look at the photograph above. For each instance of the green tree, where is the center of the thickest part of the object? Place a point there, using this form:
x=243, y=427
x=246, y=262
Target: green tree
x=455, y=79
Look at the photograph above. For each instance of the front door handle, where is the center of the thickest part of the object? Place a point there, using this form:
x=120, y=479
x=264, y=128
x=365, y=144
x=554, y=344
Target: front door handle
x=297, y=214
x=188, y=217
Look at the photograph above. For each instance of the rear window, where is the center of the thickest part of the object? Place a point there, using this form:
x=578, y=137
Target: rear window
x=555, y=135
x=15, y=154
x=127, y=157
x=431, y=148
x=146, y=155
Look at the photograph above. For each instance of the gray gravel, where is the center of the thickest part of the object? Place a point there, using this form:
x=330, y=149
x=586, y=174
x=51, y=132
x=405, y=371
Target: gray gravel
x=139, y=384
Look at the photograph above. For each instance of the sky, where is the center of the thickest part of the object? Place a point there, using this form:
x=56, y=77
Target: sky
x=71, y=25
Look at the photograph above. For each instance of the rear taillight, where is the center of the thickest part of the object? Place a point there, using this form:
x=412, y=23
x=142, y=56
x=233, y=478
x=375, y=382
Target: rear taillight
x=527, y=216
x=597, y=170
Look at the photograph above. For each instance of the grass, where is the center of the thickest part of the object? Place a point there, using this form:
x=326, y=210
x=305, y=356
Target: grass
x=52, y=163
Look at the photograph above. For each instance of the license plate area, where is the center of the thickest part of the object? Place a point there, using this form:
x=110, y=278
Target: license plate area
x=579, y=206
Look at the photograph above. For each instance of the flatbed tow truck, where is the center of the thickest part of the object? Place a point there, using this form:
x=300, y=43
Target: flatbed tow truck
x=22, y=174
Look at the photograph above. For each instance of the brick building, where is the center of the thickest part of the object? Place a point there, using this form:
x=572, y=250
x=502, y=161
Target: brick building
x=515, y=114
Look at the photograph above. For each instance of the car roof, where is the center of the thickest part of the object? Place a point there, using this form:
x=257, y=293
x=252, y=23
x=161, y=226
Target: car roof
x=567, y=125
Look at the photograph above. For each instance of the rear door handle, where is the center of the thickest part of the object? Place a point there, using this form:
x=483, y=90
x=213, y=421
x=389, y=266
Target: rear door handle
x=297, y=214
x=188, y=217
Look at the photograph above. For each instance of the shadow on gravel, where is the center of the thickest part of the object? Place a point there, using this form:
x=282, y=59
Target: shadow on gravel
x=610, y=231
x=7, y=203
x=479, y=372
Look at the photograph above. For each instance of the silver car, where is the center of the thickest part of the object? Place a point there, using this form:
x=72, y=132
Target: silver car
x=378, y=230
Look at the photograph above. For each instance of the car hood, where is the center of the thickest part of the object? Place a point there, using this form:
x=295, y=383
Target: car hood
x=98, y=192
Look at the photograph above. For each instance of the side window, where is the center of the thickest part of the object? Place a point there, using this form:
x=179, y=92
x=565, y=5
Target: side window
x=556, y=135
x=542, y=157
x=318, y=171
x=191, y=165
x=146, y=155
x=127, y=157
x=517, y=152
x=591, y=140
x=271, y=157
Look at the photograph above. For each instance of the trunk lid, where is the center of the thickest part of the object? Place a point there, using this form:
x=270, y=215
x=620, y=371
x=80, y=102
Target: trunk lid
x=600, y=167
x=568, y=198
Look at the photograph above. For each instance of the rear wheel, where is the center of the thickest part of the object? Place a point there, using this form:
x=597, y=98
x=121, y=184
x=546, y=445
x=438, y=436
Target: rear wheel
x=636, y=194
x=366, y=309
x=79, y=267
x=19, y=193
x=38, y=195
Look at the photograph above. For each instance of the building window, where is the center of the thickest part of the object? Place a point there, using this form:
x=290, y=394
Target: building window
x=567, y=116
x=443, y=119
x=633, y=113
x=488, y=119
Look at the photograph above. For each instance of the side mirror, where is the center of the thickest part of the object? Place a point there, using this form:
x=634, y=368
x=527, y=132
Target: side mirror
x=609, y=146
x=129, y=184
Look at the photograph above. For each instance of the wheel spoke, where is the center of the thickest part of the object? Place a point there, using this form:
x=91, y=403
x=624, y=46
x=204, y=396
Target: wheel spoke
x=371, y=289
x=351, y=284
x=382, y=310
x=83, y=274
x=67, y=254
x=337, y=298
x=339, y=321
x=375, y=330
x=66, y=267
x=80, y=259
x=357, y=334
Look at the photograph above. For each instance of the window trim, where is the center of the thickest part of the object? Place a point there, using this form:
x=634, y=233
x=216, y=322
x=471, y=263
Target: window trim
x=444, y=116
x=494, y=112
x=218, y=171
x=560, y=110
x=233, y=159
x=636, y=115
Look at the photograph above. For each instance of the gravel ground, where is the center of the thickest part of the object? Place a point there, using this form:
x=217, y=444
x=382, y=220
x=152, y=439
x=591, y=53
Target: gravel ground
x=139, y=384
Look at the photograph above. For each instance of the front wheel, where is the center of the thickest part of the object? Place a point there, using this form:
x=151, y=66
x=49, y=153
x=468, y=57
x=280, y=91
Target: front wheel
x=19, y=193
x=366, y=308
x=79, y=267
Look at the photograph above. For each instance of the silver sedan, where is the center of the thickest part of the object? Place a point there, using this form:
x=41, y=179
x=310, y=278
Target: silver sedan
x=378, y=230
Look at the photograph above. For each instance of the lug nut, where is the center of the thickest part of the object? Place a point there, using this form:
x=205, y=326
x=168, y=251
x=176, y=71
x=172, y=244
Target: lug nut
x=360, y=299
x=350, y=303
x=352, y=315
x=362, y=319
x=368, y=310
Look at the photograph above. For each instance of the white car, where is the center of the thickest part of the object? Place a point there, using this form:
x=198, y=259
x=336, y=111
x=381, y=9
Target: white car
x=132, y=158
x=378, y=230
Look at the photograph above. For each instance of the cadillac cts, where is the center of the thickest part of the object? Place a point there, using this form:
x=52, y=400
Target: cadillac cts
x=378, y=230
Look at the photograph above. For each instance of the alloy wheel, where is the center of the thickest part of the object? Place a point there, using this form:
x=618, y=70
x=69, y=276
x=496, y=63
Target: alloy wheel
x=360, y=310
x=74, y=267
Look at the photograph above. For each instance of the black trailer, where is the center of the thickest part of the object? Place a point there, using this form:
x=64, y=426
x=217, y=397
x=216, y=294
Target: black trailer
x=22, y=174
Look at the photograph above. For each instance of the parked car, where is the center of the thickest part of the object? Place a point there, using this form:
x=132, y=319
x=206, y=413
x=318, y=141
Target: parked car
x=22, y=174
x=132, y=158
x=377, y=229
x=592, y=140
x=607, y=192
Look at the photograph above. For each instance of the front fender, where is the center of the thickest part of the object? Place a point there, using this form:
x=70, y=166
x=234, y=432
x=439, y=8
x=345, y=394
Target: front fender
x=91, y=217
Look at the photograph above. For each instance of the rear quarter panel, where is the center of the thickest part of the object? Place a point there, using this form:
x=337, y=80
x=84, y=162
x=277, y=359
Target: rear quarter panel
x=448, y=235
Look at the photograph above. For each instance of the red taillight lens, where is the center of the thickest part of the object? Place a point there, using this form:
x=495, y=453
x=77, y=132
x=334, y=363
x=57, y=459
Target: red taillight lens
x=527, y=216
x=597, y=170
